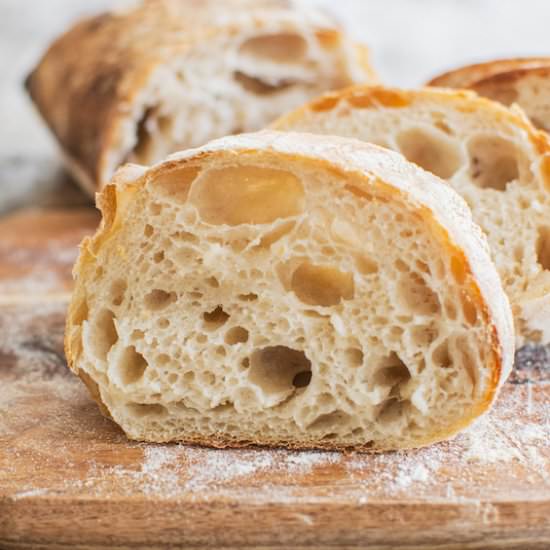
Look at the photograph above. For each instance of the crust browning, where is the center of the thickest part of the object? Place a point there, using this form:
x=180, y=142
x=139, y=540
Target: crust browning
x=509, y=123
x=379, y=97
x=88, y=82
x=440, y=208
x=467, y=76
x=522, y=82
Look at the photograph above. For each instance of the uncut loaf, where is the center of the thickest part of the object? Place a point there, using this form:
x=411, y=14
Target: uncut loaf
x=489, y=154
x=288, y=290
x=135, y=85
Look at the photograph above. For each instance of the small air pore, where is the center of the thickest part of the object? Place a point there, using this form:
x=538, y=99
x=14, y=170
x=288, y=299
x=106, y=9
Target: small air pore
x=215, y=319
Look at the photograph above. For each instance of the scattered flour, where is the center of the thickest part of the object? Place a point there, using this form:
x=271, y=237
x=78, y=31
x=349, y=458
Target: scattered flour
x=511, y=443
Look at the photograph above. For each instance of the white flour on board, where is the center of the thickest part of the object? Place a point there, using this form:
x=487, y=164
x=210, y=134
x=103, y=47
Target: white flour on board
x=512, y=441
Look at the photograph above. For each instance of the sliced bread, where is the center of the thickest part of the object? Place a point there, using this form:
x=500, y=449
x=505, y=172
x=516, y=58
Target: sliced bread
x=491, y=155
x=135, y=85
x=525, y=82
x=288, y=289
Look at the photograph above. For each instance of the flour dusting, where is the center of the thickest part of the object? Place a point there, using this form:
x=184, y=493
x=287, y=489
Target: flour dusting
x=44, y=407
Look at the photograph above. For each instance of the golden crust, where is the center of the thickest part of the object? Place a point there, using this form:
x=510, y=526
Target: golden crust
x=89, y=79
x=341, y=157
x=466, y=77
x=366, y=96
x=502, y=81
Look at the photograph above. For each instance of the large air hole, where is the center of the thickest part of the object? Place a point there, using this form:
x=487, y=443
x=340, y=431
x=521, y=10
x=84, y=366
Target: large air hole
x=104, y=335
x=258, y=86
x=278, y=369
x=417, y=296
x=391, y=371
x=159, y=299
x=494, y=162
x=247, y=194
x=175, y=184
x=431, y=150
x=280, y=47
x=321, y=285
x=543, y=247
x=215, y=319
x=131, y=366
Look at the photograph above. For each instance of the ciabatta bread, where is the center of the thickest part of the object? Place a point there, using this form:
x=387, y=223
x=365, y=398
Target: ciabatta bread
x=170, y=74
x=288, y=289
x=490, y=154
x=525, y=82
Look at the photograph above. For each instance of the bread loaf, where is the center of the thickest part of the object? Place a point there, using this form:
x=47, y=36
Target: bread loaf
x=171, y=74
x=491, y=155
x=524, y=81
x=288, y=289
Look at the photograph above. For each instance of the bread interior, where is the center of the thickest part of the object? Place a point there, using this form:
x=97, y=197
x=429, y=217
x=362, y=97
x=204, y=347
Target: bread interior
x=487, y=158
x=231, y=84
x=277, y=302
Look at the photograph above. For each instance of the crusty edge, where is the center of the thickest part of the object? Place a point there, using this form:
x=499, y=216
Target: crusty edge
x=498, y=315
x=468, y=101
x=88, y=134
x=368, y=96
x=468, y=75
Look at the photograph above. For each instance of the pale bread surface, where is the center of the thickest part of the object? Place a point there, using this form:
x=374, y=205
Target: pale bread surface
x=491, y=155
x=288, y=289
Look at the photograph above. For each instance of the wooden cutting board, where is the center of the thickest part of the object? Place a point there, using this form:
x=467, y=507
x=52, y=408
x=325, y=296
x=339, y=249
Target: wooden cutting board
x=70, y=478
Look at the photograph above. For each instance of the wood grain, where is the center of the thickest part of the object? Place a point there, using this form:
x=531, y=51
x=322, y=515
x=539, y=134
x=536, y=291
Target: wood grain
x=69, y=477
x=38, y=248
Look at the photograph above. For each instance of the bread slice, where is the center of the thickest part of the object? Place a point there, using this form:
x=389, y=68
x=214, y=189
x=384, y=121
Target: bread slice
x=524, y=81
x=288, y=289
x=491, y=155
x=171, y=74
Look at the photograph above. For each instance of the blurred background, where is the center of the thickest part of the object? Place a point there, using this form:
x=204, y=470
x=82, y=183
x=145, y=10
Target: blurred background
x=410, y=41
